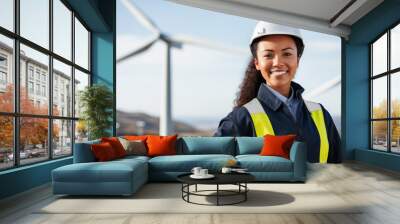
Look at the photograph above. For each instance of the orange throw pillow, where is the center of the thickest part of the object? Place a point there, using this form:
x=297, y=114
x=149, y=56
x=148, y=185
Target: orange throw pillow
x=161, y=145
x=103, y=152
x=116, y=145
x=277, y=145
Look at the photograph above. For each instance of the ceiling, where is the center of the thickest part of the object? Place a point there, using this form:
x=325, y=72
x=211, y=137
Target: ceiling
x=326, y=16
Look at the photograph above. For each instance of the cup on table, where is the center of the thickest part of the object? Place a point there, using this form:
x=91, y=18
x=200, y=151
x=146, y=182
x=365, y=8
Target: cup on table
x=226, y=170
x=203, y=172
x=196, y=171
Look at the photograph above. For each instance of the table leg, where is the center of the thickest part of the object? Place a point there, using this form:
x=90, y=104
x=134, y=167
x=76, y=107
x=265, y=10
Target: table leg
x=245, y=193
x=182, y=190
x=188, y=189
x=217, y=194
x=196, y=188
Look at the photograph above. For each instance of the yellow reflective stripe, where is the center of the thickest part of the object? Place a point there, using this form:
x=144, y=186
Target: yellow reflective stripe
x=262, y=124
x=318, y=118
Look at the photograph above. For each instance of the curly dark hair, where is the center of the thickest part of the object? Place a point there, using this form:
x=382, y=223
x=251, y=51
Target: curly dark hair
x=248, y=89
x=252, y=80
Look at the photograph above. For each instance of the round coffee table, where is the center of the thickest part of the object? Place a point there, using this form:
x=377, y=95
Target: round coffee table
x=238, y=179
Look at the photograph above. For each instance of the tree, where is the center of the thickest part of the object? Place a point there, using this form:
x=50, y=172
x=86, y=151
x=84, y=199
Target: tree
x=380, y=127
x=81, y=129
x=6, y=132
x=33, y=131
x=395, y=123
x=97, y=103
x=6, y=122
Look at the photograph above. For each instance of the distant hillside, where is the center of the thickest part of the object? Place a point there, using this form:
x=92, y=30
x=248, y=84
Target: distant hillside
x=129, y=123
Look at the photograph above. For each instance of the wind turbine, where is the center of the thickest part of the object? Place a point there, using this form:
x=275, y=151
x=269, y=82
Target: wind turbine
x=166, y=125
x=323, y=88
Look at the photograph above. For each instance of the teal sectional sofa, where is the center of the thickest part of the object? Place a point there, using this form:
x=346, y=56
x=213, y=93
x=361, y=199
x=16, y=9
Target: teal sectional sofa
x=125, y=176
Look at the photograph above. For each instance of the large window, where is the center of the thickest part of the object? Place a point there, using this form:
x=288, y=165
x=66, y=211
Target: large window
x=385, y=94
x=44, y=64
x=34, y=22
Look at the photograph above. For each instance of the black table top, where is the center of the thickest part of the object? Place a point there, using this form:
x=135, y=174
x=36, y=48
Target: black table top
x=220, y=178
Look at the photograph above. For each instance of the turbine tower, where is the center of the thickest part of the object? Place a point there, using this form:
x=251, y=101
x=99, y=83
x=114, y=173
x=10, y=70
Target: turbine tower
x=166, y=124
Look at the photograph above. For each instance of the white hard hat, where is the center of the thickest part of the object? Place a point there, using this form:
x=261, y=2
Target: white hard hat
x=265, y=29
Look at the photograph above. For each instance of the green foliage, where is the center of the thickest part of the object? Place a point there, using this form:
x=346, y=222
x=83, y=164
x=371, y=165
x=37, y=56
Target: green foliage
x=96, y=102
x=380, y=127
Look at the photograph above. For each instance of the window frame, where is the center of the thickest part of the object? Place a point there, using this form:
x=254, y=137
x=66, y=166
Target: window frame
x=16, y=115
x=388, y=74
x=5, y=59
x=3, y=74
x=3, y=71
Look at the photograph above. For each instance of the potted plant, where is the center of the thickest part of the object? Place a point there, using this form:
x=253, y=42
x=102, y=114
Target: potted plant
x=96, y=102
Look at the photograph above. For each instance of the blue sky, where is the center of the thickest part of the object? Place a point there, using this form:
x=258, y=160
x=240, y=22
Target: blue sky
x=205, y=81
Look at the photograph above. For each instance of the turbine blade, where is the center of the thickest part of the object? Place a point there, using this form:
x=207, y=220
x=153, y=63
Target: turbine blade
x=138, y=50
x=140, y=16
x=323, y=88
x=179, y=40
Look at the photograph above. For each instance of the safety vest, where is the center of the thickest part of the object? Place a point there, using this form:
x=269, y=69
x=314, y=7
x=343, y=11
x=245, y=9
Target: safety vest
x=263, y=125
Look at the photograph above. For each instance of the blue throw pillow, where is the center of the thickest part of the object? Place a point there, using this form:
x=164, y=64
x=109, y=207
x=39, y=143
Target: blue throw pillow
x=249, y=145
x=83, y=153
x=207, y=145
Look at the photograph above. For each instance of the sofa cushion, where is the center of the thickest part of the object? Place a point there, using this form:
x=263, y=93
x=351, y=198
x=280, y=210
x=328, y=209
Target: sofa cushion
x=277, y=145
x=134, y=147
x=112, y=171
x=206, y=145
x=249, y=145
x=116, y=145
x=161, y=145
x=185, y=163
x=103, y=151
x=94, y=172
x=257, y=163
x=131, y=158
x=83, y=152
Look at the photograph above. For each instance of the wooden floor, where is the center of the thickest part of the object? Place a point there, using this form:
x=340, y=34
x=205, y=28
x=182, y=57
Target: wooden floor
x=377, y=188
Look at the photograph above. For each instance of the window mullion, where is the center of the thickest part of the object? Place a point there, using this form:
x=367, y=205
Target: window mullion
x=73, y=82
x=371, y=96
x=16, y=83
x=389, y=106
x=50, y=81
x=371, y=137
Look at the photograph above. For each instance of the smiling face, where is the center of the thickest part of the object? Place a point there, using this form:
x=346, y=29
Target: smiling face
x=277, y=61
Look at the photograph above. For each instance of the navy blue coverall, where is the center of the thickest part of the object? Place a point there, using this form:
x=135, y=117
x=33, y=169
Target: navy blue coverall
x=239, y=123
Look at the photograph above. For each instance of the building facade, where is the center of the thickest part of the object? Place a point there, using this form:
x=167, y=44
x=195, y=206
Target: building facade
x=34, y=82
